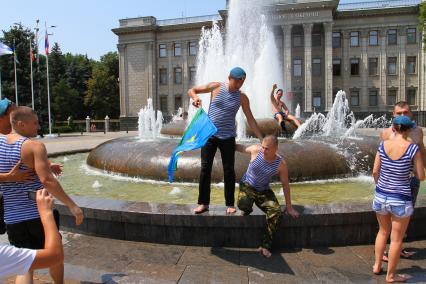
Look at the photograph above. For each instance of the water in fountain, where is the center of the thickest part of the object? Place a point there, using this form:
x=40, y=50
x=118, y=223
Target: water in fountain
x=148, y=125
x=250, y=43
x=178, y=115
x=340, y=121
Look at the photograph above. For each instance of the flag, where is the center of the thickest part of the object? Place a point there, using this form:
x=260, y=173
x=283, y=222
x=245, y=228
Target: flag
x=195, y=136
x=4, y=49
x=46, y=44
x=32, y=56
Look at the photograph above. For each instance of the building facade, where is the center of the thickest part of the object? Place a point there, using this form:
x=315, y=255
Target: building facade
x=371, y=50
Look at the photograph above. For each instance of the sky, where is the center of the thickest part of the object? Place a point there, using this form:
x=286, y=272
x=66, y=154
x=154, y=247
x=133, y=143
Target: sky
x=84, y=26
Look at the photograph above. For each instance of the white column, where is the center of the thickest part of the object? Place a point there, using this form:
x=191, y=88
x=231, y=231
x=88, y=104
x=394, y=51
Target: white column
x=287, y=57
x=307, y=29
x=124, y=95
x=328, y=64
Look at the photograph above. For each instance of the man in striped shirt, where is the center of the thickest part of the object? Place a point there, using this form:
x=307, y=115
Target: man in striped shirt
x=24, y=227
x=415, y=134
x=226, y=99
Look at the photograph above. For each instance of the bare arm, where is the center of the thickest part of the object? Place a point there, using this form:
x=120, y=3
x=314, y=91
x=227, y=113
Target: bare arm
x=283, y=172
x=194, y=91
x=273, y=100
x=53, y=252
x=43, y=171
x=15, y=174
x=421, y=145
x=245, y=104
x=376, y=168
x=419, y=166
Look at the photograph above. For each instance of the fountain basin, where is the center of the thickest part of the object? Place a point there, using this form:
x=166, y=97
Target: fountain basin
x=306, y=160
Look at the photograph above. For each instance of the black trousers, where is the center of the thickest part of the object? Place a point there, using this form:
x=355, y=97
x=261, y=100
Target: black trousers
x=227, y=152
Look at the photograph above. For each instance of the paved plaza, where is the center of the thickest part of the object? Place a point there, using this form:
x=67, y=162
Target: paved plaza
x=100, y=260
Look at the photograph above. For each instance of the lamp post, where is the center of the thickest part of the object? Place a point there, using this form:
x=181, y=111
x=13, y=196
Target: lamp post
x=47, y=74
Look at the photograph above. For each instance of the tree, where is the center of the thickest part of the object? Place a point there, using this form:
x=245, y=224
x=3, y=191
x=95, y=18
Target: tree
x=57, y=65
x=102, y=96
x=67, y=101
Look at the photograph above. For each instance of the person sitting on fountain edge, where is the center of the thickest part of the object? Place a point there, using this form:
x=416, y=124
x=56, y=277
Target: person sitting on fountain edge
x=280, y=109
x=254, y=187
x=415, y=135
x=226, y=99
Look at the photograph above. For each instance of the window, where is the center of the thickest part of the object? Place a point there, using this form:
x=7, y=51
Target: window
x=354, y=98
x=178, y=101
x=163, y=104
x=411, y=35
x=411, y=65
x=411, y=96
x=373, y=38
x=336, y=67
x=178, y=75
x=316, y=67
x=192, y=48
x=162, y=50
x=192, y=73
x=391, y=65
x=337, y=40
x=355, y=66
x=372, y=66
x=354, y=38
x=177, y=49
x=297, y=67
x=372, y=98
x=297, y=40
x=316, y=99
x=392, y=37
x=316, y=39
x=391, y=98
x=163, y=76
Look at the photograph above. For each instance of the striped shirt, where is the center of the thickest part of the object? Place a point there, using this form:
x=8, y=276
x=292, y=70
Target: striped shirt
x=394, y=180
x=222, y=111
x=260, y=172
x=17, y=206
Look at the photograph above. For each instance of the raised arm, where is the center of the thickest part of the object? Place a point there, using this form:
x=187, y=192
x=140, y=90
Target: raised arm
x=273, y=100
x=283, y=173
x=245, y=104
x=53, y=252
x=194, y=91
x=43, y=171
x=247, y=149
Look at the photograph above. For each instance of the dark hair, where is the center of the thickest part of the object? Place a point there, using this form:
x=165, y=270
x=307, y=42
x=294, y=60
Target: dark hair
x=279, y=90
x=402, y=104
x=401, y=128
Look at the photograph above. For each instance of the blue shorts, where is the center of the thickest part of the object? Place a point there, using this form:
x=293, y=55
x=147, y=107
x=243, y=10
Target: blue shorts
x=282, y=114
x=384, y=205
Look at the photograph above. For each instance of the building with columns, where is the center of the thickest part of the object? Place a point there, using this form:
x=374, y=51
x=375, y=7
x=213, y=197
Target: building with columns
x=372, y=50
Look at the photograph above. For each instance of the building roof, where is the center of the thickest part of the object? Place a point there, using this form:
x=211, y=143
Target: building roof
x=349, y=5
x=187, y=20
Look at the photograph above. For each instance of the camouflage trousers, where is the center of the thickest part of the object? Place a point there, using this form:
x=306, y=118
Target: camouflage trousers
x=268, y=203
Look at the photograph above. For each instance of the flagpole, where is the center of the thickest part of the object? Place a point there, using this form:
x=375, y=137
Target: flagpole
x=31, y=68
x=47, y=76
x=14, y=65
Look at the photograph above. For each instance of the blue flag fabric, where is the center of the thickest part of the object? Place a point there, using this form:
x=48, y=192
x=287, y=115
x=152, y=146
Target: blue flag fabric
x=195, y=136
x=4, y=49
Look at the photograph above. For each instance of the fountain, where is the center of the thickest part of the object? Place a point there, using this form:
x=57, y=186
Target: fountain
x=324, y=147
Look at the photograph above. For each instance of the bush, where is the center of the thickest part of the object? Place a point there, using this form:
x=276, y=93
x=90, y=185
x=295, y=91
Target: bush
x=62, y=129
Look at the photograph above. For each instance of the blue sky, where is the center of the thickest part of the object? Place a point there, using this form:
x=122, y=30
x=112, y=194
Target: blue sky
x=85, y=26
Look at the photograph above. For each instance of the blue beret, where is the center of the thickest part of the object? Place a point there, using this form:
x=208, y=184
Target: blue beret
x=4, y=105
x=237, y=73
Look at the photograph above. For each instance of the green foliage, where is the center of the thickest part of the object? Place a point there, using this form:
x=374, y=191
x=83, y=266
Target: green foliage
x=79, y=86
x=102, y=96
x=63, y=129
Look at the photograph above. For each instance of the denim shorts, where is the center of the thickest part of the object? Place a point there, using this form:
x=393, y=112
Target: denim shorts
x=384, y=205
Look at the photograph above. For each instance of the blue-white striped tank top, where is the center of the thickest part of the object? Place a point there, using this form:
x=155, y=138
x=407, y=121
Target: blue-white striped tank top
x=17, y=206
x=260, y=172
x=394, y=180
x=222, y=111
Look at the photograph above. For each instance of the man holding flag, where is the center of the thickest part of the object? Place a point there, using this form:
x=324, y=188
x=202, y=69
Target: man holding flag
x=226, y=99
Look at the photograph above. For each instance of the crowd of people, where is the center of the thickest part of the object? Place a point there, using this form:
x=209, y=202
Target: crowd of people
x=28, y=184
